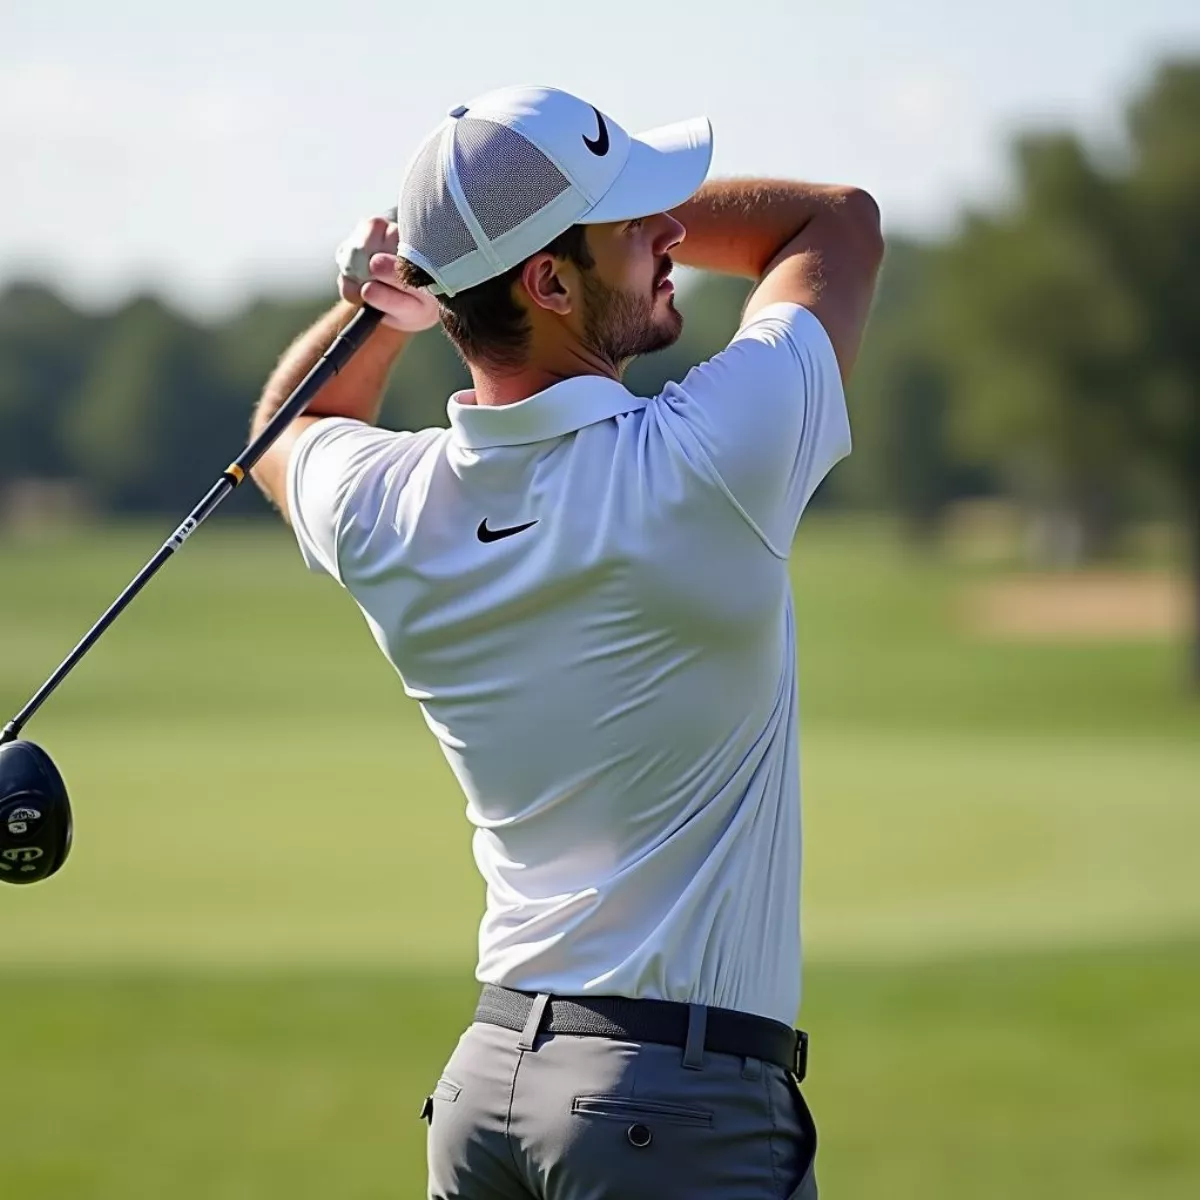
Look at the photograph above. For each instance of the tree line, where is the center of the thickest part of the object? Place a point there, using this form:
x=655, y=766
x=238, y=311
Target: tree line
x=1047, y=351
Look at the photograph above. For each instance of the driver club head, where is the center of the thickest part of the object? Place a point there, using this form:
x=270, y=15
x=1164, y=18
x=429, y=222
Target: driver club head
x=35, y=814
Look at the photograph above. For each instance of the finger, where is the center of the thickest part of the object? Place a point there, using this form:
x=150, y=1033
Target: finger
x=371, y=236
x=383, y=271
x=371, y=227
x=406, y=309
x=376, y=234
x=393, y=315
x=350, y=290
x=391, y=300
x=383, y=267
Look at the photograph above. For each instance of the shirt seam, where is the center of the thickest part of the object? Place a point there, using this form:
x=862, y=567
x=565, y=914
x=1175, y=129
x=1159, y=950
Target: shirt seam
x=768, y=314
x=301, y=449
x=723, y=487
x=340, y=514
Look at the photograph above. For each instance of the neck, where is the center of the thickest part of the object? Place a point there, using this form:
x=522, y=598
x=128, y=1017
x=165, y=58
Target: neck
x=496, y=386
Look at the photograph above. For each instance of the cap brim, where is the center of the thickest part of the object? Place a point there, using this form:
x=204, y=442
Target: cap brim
x=665, y=167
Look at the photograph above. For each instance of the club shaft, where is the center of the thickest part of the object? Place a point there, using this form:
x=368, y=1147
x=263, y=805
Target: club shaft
x=356, y=332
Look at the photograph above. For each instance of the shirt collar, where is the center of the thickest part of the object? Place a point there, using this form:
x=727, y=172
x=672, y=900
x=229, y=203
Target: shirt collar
x=561, y=409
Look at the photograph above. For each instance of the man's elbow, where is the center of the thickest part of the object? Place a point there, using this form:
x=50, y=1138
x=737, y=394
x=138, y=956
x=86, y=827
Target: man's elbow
x=860, y=212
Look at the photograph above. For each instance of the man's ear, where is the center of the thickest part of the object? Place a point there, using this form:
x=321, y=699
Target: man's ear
x=544, y=280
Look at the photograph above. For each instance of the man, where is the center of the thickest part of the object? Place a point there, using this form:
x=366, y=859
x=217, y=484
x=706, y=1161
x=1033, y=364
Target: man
x=587, y=591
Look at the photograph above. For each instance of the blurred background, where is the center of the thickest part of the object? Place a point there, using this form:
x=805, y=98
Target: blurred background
x=260, y=954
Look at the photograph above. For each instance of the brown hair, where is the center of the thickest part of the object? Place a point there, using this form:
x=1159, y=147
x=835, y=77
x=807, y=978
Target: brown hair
x=485, y=322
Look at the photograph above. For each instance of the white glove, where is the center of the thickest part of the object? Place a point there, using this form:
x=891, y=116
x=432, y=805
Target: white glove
x=366, y=263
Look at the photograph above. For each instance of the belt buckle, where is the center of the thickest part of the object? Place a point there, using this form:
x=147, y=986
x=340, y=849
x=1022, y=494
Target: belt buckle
x=800, y=1060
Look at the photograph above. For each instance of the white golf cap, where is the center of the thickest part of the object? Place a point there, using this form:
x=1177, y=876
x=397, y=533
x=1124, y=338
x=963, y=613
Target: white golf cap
x=504, y=175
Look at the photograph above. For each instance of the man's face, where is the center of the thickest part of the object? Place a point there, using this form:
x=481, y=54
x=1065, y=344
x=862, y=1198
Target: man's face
x=629, y=299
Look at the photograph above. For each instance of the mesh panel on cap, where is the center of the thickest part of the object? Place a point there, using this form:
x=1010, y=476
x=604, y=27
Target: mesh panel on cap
x=504, y=178
x=428, y=218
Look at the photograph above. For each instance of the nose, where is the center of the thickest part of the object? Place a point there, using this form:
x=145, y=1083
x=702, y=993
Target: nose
x=670, y=235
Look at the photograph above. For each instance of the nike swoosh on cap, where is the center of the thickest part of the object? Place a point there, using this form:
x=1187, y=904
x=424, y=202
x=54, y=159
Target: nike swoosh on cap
x=484, y=534
x=599, y=145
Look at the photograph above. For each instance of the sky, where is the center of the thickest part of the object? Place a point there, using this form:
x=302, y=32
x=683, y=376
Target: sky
x=217, y=151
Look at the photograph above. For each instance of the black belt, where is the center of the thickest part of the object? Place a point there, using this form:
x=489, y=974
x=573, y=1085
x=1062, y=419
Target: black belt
x=663, y=1021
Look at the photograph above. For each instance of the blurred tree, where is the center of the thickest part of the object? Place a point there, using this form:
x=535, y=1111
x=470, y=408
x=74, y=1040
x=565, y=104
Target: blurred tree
x=899, y=402
x=150, y=427
x=1160, y=258
x=1041, y=336
x=1071, y=322
x=45, y=351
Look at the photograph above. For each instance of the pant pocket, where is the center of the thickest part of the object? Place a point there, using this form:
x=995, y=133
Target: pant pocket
x=446, y=1090
x=806, y=1189
x=628, y=1108
x=639, y=1147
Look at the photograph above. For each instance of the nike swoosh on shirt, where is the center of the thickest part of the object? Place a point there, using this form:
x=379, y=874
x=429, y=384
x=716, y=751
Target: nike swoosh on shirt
x=598, y=145
x=484, y=534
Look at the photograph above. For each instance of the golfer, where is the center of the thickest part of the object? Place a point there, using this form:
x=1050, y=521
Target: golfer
x=587, y=593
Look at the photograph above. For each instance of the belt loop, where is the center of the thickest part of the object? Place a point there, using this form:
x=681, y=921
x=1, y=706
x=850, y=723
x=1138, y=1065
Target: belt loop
x=800, y=1070
x=693, y=1050
x=533, y=1024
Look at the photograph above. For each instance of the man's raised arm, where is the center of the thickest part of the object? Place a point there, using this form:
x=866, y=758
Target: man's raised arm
x=357, y=390
x=816, y=245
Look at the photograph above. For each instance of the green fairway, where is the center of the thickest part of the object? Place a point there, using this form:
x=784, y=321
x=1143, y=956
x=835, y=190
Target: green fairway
x=259, y=954
x=252, y=785
x=255, y=841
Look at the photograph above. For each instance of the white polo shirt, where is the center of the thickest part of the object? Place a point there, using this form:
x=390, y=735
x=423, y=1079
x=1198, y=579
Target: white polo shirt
x=587, y=592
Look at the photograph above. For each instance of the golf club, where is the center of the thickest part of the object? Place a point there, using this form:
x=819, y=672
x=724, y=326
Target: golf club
x=35, y=811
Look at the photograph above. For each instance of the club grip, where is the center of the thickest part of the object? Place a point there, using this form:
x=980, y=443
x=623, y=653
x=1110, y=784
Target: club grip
x=354, y=261
x=359, y=328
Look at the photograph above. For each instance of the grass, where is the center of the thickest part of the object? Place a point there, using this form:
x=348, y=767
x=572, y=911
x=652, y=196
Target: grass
x=260, y=952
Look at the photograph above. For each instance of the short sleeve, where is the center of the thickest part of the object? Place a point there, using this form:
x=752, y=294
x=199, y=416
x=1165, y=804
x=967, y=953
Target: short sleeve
x=766, y=418
x=329, y=464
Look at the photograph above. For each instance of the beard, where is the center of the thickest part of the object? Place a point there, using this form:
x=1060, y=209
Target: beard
x=620, y=325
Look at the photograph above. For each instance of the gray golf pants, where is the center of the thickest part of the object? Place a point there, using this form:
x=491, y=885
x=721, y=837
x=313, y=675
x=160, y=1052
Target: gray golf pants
x=561, y=1117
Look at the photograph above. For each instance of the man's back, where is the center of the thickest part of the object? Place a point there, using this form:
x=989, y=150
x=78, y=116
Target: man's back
x=588, y=594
